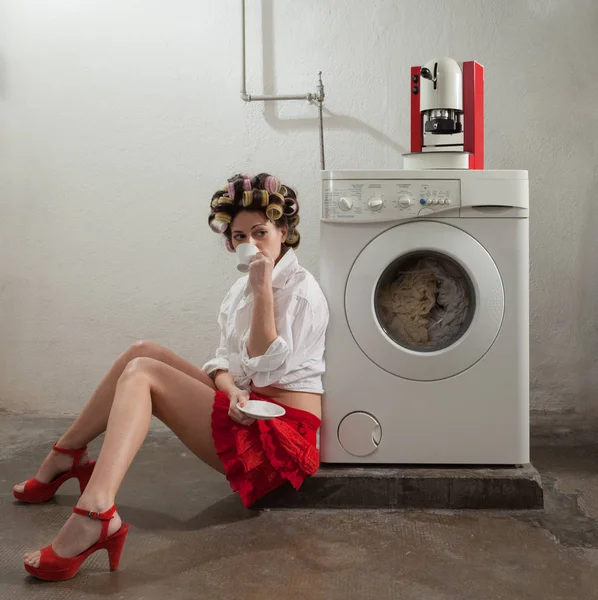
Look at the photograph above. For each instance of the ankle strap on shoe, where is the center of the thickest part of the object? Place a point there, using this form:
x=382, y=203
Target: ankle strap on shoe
x=76, y=453
x=92, y=514
x=105, y=517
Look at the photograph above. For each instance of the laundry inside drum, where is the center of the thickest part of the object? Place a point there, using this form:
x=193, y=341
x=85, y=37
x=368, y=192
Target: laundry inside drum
x=425, y=301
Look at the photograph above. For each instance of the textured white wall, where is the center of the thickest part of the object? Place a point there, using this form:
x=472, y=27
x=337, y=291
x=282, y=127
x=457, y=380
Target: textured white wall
x=119, y=118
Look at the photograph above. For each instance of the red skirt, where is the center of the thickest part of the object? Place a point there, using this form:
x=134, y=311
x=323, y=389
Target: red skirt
x=262, y=457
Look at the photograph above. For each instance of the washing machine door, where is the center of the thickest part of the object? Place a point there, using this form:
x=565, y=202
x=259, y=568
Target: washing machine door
x=424, y=301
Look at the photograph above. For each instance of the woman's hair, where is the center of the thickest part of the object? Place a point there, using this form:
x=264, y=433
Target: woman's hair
x=263, y=193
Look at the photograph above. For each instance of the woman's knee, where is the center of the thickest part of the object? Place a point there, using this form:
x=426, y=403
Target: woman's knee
x=146, y=348
x=140, y=349
x=140, y=366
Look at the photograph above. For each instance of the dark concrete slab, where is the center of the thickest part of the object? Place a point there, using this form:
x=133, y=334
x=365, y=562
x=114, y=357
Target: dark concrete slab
x=516, y=488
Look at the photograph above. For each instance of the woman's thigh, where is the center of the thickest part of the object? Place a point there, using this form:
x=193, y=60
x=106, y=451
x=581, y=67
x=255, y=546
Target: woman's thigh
x=167, y=356
x=184, y=404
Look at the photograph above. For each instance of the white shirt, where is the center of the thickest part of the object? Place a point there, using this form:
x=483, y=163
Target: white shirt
x=295, y=359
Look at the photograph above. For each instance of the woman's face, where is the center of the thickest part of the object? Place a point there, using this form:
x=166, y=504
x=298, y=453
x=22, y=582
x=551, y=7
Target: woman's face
x=253, y=227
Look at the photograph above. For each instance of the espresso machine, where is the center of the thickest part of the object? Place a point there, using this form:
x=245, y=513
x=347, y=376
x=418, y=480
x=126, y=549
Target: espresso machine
x=447, y=116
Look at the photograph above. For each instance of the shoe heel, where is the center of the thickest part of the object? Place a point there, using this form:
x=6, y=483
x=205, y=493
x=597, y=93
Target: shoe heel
x=84, y=475
x=115, y=548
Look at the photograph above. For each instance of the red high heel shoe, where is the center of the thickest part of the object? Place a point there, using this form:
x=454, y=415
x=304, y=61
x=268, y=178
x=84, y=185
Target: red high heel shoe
x=57, y=568
x=37, y=491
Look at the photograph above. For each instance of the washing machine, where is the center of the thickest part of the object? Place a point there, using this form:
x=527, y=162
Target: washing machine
x=426, y=275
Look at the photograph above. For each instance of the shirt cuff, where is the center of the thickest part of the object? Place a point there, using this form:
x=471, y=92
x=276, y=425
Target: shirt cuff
x=272, y=359
x=215, y=364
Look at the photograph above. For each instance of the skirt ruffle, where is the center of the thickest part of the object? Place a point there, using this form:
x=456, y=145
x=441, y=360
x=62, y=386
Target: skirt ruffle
x=262, y=457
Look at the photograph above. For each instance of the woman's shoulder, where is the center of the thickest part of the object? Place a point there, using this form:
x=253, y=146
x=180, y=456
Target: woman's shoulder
x=303, y=284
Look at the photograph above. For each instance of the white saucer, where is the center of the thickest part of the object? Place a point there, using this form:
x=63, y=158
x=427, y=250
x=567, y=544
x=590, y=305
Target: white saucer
x=259, y=409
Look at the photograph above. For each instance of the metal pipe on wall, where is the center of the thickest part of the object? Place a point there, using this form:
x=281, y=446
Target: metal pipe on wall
x=318, y=97
x=244, y=64
x=254, y=98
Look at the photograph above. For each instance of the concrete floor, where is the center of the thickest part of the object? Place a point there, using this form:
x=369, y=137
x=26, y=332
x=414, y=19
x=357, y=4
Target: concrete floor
x=191, y=538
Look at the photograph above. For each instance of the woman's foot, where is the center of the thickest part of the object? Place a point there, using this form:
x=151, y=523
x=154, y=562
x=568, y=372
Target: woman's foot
x=54, y=464
x=77, y=535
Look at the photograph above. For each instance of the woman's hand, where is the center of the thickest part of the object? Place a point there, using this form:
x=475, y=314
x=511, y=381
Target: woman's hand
x=238, y=396
x=260, y=271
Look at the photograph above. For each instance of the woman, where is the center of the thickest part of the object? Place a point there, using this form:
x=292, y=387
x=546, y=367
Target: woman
x=272, y=323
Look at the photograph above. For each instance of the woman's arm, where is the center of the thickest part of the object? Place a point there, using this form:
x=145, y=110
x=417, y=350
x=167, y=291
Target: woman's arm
x=262, y=331
x=224, y=382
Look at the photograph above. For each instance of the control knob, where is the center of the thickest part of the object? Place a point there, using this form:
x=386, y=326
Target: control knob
x=345, y=203
x=405, y=200
x=375, y=203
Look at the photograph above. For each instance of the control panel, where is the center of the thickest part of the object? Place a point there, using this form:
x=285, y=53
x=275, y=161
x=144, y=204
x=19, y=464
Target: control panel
x=388, y=200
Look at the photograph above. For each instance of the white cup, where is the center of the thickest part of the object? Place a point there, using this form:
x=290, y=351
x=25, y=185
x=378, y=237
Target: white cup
x=245, y=254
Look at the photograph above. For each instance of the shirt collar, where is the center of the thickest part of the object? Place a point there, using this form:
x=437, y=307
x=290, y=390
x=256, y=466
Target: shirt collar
x=283, y=269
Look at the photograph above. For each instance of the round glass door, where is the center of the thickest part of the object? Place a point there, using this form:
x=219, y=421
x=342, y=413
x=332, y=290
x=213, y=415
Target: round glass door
x=424, y=301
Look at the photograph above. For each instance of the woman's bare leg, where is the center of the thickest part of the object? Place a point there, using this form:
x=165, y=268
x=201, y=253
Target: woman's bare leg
x=94, y=417
x=147, y=386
